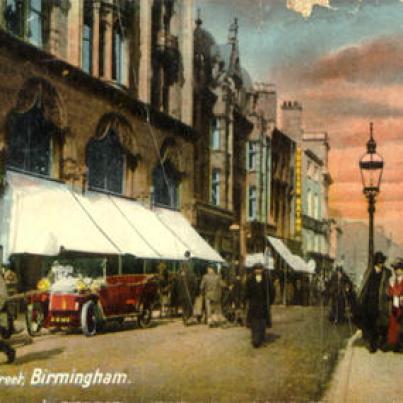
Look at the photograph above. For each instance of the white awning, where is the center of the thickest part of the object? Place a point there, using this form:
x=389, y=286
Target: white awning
x=42, y=217
x=259, y=258
x=109, y=220
x=295, y=262
x=147, y=223
x=181, y=227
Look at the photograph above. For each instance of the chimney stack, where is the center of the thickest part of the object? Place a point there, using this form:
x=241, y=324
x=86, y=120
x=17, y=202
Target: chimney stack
x=291, y=120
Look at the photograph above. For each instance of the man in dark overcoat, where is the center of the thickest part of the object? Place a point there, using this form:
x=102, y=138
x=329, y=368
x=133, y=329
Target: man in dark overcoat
x=259, y=294
x=186, y=283
x=374, y=303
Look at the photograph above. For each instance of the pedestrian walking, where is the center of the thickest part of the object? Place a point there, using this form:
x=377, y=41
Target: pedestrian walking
x=339, y=292
x=259, y=294
x=374, y=303
x=395, y=292
x=5, y=347
x=164, y=289
x=211, y=287
x=186, y=291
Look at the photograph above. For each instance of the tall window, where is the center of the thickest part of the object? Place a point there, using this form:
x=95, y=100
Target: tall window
x=25, y=18
x=309, y=202
x=105, y=161
x=29, y=142
x=252, y=202
x=86, y=55
x=215, y=129
x=252, y=155
x=215, y=187
x=35, y=18
x=316, y=206
x=166, y=180
x=118, y=54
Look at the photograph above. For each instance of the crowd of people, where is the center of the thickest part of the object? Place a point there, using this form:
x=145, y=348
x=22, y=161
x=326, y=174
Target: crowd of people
x=380, y=305
x=231, y=298
x=219, y=299
x=378, y=309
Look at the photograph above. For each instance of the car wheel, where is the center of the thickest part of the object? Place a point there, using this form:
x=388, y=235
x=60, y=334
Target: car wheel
x=34, y=318
x=144, y=319
x=90, y=318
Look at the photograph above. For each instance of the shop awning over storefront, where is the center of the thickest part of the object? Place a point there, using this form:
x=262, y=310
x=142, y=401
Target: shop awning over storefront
x=44, y=217
x=259, y=258
x=181, y=227
x=146, y=223
x=294, y=262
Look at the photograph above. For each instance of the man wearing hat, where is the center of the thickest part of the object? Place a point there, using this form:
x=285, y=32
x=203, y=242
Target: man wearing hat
x=259, y=294
x=395, y=292
x=374, y=302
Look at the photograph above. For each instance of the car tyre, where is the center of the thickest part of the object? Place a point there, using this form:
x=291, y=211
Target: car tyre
x=90, y=318
x=144, y=319
x=34, y=318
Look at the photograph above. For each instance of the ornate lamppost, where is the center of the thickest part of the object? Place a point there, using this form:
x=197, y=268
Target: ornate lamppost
x=371, y=167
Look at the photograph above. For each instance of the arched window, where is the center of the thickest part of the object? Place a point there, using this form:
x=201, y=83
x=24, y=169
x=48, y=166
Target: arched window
x=29, y=141
x=166, y=180
x=35, y=129
x=106, y=162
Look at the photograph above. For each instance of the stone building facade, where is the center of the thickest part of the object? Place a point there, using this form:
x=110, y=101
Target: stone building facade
x=221, y=92
x=88, y=98
x=77, y=66
x=317, y=226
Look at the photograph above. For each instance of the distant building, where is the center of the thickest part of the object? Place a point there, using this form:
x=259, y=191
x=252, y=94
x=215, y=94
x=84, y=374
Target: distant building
x=355, y=248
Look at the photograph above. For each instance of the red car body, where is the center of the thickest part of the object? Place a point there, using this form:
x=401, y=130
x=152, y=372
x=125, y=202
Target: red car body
x=119, y=297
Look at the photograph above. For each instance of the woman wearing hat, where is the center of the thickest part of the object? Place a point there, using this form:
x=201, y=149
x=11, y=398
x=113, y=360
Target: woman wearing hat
x=374, y=302
x=395, y=292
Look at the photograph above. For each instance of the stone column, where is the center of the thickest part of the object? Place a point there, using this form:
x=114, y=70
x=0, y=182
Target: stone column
x=108, y=43
x=75, y=23
x=145, y=70
x=186, y=51
x=95, y=38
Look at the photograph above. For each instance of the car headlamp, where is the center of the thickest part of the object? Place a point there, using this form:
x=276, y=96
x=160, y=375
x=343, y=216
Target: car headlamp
x=43, y=284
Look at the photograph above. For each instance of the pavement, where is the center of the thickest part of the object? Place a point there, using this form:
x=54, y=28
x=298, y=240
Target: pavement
x=364, y=377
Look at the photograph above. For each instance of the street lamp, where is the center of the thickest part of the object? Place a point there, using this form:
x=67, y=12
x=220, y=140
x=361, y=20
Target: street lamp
x=371, y=166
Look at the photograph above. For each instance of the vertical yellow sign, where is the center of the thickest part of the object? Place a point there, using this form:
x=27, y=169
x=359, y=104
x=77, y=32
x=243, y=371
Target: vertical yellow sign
x=298, y=191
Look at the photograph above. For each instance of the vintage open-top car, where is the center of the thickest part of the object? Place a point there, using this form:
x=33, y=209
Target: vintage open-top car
x=87, y=296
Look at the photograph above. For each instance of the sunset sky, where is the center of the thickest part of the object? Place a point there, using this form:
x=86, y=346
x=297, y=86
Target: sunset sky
x=343, y=59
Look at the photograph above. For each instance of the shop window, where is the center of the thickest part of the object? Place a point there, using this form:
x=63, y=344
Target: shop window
x=166, y=180
x=86, y=48
x=29, y=141
x=106, y=163
x=252, y=203
x=215, y=187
